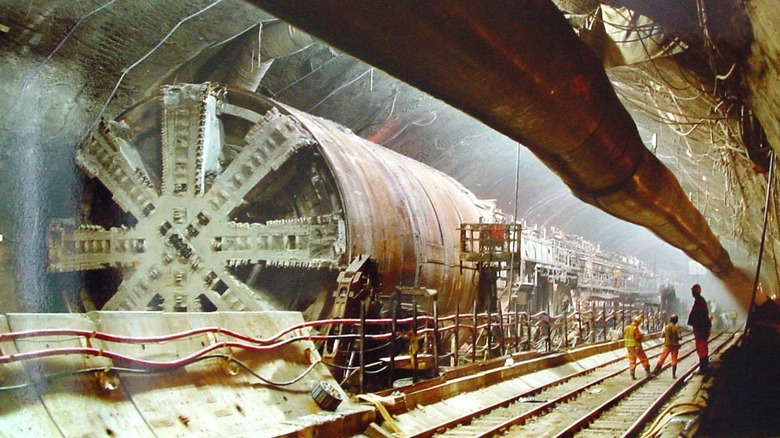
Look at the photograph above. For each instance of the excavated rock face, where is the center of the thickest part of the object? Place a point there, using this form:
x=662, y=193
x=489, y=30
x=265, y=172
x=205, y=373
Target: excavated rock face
x=761, y=72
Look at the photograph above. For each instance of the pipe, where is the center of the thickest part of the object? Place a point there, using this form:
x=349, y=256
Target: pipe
x=255, y=51
x=519, y=68
x=770, y=184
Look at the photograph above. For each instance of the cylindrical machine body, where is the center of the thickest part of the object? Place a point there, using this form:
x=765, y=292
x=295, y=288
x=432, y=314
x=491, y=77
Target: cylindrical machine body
x=245, y=204
x=402, y=212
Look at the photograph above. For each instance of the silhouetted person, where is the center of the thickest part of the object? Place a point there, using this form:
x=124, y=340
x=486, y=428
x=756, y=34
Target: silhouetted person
x=671, y=345
x=699, y=320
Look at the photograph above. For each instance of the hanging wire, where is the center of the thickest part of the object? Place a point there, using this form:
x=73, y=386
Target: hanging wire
x=645, y=107
x=514, y=218
x=142, y=59
x=769, y=191
x=144, y=371
x=279, y=91
x=660, y=74
x=419, y=122
x=339, y=88
x=775, y=238
x=373, y=121
x=29, y=78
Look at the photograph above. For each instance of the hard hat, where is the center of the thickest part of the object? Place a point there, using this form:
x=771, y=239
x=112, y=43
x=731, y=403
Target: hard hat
x=673, y=318
x=638, y=319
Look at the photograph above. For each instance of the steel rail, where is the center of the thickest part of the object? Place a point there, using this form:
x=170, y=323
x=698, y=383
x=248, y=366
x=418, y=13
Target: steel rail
x=640, y=422
x=506, y=425
x=449, y=424
x=503, y=427
x=586, y=419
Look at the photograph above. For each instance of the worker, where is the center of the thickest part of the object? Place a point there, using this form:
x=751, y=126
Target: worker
x=699, y=319
x=671, y=345
x=633, y=340
x=733, y=318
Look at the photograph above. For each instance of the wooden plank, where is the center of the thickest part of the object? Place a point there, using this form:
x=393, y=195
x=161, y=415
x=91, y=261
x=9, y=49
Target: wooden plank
x=106, y=412
x=200, y=399
x=21, y=410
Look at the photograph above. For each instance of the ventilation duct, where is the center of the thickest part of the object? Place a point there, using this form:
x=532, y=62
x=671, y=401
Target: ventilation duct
x=255, y=51
x=519, y=68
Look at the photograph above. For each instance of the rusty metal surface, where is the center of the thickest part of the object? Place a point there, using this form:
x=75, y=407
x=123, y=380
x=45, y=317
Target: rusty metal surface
x=402, y=212
x=521, y=69
x=200, y=399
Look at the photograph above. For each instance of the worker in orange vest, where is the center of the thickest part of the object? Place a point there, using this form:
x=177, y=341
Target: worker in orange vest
x=671, y=345
x=634, y=350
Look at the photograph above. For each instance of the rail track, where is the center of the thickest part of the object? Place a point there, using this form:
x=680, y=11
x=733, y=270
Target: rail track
x=598, y=401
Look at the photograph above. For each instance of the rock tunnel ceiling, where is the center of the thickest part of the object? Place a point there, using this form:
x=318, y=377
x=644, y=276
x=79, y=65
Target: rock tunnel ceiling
x=65, y=69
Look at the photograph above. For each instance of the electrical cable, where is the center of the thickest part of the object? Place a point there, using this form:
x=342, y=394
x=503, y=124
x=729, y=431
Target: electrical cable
x=144, y=371
x=338, y=55
x=271, y=382
x=652, y=62
x=169, y=364
x=199, y=331
x=339, y=88
x=658, y=427
x=403, y=129
x=376, y=114
x=348, y=368
x=726, y=76
x=513, y=232
x=774, y=241
x=769, y=191
x=353, y=370
x=139, y=365
x=377, y=348
x=658, y=116
x=376, y=371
